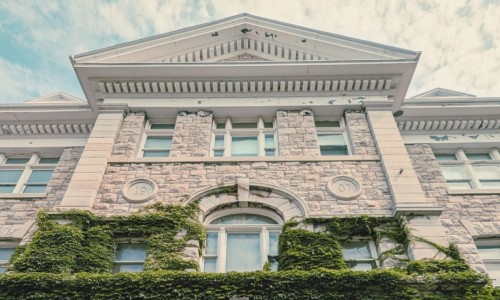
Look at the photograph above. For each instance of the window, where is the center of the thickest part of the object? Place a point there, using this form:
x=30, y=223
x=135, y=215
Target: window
x=243, y=139
x=489, y=250
x=28, y=174
x=360, y=255
x=241, y=242
x=332, y=138
x=465, y=170
x=5, y=254
x=129, y=257
x=158, y=139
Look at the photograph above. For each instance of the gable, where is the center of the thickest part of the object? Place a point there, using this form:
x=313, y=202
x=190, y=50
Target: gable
x=442, y=93
x=56, y=98
x=234, y=36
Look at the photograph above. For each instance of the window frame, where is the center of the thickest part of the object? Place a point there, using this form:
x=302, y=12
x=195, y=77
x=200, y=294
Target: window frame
x=228, y=132
x=33, y=164
x=341, y=131
x=4, y=264
x=468, y=165
x=223, y=230
x=158, y=133
x=486, y=261
x=373, y=252
x=129, y=262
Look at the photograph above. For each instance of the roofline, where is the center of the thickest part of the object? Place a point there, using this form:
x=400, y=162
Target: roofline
x=55, y=94
x=439, y=88
x=243, y=15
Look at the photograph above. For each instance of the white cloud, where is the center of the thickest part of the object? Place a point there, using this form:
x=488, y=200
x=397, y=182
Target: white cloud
x=460, y=39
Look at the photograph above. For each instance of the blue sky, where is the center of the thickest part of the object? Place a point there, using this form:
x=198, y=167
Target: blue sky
x=460, y=40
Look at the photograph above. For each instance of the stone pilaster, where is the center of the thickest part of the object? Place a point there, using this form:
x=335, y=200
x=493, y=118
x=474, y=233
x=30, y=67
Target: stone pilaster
x=361, y=136
x=297, y=133
x=192, y=135
x=129, y=138
x=89, y=172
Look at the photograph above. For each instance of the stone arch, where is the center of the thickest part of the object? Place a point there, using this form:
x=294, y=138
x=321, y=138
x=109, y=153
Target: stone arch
x=248, y=197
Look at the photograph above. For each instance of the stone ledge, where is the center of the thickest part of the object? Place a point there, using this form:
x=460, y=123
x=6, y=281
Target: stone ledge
x=474, y=192
x=22, y=195
x=298, y=158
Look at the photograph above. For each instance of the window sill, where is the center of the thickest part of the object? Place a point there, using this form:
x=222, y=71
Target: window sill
x=22, y=195
x=474, y=192
x=298, y=158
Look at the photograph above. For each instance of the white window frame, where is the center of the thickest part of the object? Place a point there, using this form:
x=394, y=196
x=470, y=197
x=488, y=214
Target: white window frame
x=373, y=251
x=125, y=262
x=27, y=168
x=229, y=132
x=341, y=131
x=468, y=165
x=7, y=245
x=224, y=229
x=160, y=133
x=489, y=262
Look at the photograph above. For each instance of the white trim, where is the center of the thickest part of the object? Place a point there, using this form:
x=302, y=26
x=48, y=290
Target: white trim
x=243, y=210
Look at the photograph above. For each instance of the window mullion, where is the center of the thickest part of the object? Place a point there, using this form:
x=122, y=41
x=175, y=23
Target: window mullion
x=22, y=180
x=264, y=245
x=222, y=251
x=261, y=143
x=495, y=155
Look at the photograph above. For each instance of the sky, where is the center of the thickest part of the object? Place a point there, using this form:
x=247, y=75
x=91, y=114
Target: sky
x=459, y=39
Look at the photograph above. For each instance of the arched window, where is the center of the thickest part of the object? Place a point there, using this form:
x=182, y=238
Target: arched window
x=241, y=241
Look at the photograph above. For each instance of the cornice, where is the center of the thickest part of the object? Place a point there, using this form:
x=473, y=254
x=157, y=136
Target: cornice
x=440, y=124
x=14, y=129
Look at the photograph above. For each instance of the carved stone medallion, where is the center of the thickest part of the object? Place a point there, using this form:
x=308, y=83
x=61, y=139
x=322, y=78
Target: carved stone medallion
x=139, y=190
x=344, y=187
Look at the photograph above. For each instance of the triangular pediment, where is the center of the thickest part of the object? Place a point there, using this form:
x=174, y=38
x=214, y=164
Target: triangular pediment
x=442, y=93
x=240, y=36
x=56, y=98
x=244, y=57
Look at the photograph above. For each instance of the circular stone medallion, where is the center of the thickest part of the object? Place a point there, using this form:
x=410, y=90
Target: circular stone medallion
x=343, y=187
x=139, y=190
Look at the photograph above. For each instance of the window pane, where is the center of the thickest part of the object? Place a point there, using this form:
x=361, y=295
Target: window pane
x=211, y=247
x=459, y=185
x=333, y=150
x=34, y=189
x=363, y=266
x=162, y=126
x=210, y=265
x=489, y=252
x=454, y=173
x=220, y=125
x=130, y=252
x=494, y=273
x=3, y=269
x=6, y=253
x=243, y=252
x=356, y=250
x=12, y=161
x=127, y=268
x=6, y=188
x=330, y=139
x=478, y=156
x=247, y=219
x=270, y=152
x=273, y=242
x=218, y=153
x=445, y=157
x=244, y=146
x=10, y=176
x=274, y=263
x=269, y=141
x=158, y=142
x=219, y=141
x=40, y=176
x=48, y=160
x=268, y=125
x=487, y=172
x=156, y=153
x=327, y=123
x=490, y=184
x=244, y=125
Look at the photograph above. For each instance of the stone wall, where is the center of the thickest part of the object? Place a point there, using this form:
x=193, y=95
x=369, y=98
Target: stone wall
x=192, y=135
x=177, y=181
x=297, y=133
x=17, y=216
x=360, y=134
x=129, y=137
x=479, y=213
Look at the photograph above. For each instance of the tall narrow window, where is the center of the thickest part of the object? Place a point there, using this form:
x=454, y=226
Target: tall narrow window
x=158, y=139
x=332, y=137
x=489, y=250
x=241, y=242
x=5, y=254
x=243, y=139
x=129, y=257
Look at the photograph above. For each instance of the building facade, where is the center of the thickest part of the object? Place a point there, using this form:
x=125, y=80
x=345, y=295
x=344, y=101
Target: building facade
x=258, y=123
